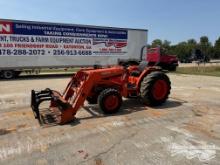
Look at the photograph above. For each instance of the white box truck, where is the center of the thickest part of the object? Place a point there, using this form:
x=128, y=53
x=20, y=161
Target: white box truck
x=28, y=45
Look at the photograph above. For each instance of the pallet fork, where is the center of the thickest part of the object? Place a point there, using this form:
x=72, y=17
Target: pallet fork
x=64, y=107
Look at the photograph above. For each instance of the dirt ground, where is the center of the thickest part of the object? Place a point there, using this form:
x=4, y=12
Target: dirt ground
x=185, y=130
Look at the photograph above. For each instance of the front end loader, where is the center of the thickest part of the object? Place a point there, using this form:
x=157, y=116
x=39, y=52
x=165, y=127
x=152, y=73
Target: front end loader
x=102, y=86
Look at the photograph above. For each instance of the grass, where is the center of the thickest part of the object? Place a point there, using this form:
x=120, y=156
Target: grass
x=200, y=70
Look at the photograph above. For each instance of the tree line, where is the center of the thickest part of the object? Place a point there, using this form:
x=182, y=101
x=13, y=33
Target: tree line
x=184, y=50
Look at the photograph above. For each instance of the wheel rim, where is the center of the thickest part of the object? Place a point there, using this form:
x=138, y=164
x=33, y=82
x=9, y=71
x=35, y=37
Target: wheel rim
x=8, y=74
x=111, y=102
x=160, y=89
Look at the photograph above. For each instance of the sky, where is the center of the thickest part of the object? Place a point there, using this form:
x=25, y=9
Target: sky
x=173, y=20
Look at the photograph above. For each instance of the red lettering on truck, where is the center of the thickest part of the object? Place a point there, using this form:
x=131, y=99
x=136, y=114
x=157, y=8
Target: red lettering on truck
x=6, y=27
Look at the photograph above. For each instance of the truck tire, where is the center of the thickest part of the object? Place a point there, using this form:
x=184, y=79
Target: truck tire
x=110, y=101
x=8, y=74
x=155, y=88
x=172, y=68
x=17, y=73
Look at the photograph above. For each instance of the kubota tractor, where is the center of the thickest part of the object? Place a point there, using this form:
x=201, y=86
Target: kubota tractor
x=104, y=86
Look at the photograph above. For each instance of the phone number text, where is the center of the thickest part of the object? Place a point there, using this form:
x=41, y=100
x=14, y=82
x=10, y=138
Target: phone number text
x=56, y=52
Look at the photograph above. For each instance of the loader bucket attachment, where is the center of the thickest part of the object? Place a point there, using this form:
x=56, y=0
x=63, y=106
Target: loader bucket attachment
x=59, y=111
x=62, y=108
x=36, y=99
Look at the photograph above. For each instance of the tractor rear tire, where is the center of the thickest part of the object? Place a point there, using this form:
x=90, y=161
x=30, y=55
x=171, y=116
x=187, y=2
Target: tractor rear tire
x=110, y=101
x=155, y=88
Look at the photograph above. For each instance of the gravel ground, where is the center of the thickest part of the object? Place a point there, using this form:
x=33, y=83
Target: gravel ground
x=185, y=130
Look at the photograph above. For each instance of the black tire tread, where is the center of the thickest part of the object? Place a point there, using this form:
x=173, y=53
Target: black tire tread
x=12, y=74
x=103, y=95
x=92, y=100
x=147, y=84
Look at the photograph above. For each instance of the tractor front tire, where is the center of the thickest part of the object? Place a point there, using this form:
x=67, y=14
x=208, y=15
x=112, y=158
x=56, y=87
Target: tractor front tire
x=110, y=101
x=92, y=100
x=155, y=88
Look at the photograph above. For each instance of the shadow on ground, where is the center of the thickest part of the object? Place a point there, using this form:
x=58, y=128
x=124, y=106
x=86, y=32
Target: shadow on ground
x=129, y=106
x=170, y=104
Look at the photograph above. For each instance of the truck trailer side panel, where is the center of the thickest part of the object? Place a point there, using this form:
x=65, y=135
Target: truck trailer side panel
x=25, y=44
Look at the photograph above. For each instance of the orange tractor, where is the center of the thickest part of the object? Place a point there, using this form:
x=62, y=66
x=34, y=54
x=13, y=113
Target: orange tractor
x=105, y=87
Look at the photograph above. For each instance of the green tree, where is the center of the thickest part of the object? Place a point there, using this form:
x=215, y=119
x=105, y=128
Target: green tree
x=166, y=45
x=191, y=45
x=181, y=51
x=156, y=42
x=217, y=48
x=205, y=46
x=192, y=42
x=184, y=49
x=204, y=40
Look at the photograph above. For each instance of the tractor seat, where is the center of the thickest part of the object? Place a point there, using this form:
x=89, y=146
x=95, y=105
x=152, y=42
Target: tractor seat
x=141, y=67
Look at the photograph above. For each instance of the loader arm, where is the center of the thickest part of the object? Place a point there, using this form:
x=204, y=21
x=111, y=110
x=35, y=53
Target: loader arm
x=63, y=107
x=75, y=96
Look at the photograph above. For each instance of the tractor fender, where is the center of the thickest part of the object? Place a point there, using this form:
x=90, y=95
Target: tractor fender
x=144, y=74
